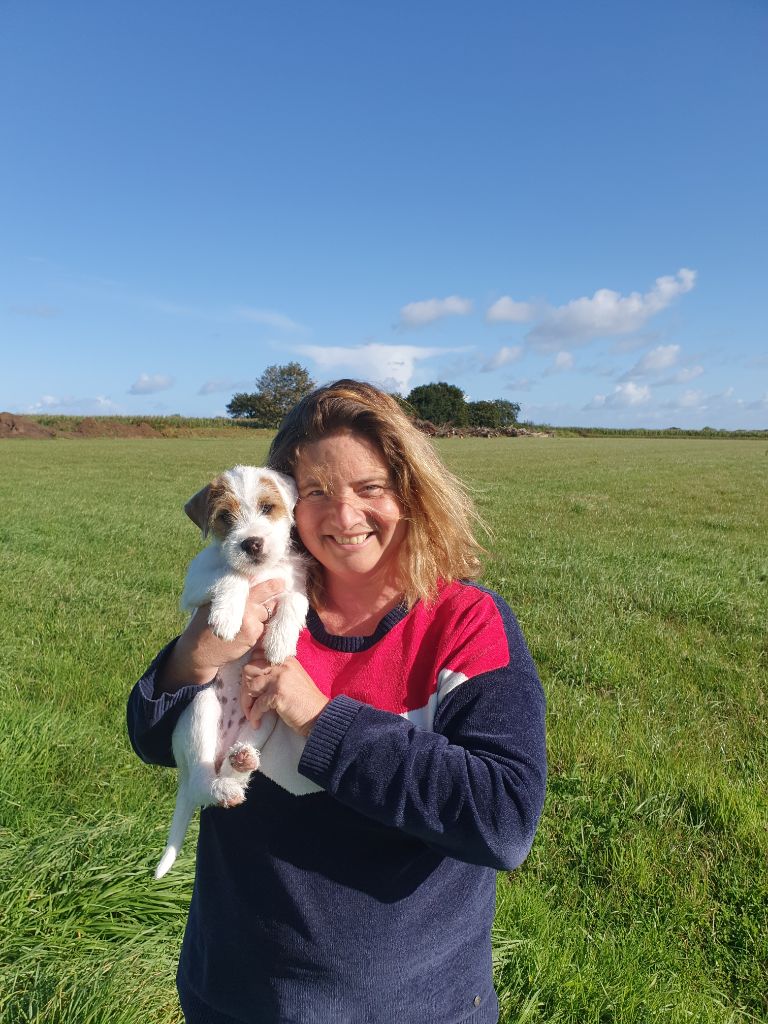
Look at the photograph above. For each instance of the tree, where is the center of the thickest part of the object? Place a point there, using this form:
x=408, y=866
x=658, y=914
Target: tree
x=508, y=412
x=278, y=389
x=496, y=413
x=483, y=414
x=246, y=406
x=439, y=403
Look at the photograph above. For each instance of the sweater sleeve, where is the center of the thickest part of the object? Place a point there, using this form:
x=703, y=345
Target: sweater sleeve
x=152, y=715
x=473, y=788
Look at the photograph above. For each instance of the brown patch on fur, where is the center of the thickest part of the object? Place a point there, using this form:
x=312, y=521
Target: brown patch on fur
x=223, y=507
x=197, y=508
x=270, y=495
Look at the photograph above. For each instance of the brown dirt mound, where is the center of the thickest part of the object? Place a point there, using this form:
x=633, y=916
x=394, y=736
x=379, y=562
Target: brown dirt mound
x=13, y=425
x=92, y=426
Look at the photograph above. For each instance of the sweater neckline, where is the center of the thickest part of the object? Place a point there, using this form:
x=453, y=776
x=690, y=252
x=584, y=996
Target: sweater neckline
x=351, y=644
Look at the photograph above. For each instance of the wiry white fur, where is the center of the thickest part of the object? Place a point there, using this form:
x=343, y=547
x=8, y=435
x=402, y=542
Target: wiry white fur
x=215, y=747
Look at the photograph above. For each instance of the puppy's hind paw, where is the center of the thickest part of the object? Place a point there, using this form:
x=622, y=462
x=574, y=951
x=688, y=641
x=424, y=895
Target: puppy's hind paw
x=227, y=792
x=243, y=757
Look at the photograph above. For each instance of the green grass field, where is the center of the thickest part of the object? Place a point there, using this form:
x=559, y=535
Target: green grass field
x=638, y=570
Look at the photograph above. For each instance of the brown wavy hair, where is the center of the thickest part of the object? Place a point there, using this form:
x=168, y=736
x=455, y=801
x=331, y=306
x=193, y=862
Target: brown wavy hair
x=440, y=545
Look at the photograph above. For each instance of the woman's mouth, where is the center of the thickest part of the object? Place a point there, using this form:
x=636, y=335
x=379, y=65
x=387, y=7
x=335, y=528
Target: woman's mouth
x=352, y=541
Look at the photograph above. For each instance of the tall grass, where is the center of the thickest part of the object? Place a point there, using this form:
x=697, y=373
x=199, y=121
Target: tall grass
x=638, y=571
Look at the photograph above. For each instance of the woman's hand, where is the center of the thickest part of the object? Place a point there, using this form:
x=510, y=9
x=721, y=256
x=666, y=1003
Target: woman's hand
x=286, y=689
x=199, y=653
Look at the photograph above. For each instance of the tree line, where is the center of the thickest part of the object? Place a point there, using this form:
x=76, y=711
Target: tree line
x=280, y=387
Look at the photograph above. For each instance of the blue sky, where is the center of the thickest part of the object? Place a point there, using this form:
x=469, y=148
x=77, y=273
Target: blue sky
x=560, y=204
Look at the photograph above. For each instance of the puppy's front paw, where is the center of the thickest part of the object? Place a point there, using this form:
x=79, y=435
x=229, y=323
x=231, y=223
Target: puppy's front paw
x=225, y=625
x=227, y=792
x=278, y=647
x=243, y=757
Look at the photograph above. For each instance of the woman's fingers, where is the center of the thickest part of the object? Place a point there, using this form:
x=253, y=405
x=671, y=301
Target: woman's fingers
x=257, y=693
x=260, y=607
x=286, y=689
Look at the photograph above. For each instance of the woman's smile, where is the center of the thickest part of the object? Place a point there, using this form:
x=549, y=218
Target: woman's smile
x=348, y=515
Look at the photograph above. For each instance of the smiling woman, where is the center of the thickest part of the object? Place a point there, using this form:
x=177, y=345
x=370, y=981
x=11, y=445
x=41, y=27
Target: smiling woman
x=352, y=438
x=352, y=524
x=357, y=881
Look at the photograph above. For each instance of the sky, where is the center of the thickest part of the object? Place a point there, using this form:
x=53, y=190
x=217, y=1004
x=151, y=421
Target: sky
x=561, y=204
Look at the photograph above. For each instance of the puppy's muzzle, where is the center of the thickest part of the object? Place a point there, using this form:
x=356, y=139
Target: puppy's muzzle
x=253, y=547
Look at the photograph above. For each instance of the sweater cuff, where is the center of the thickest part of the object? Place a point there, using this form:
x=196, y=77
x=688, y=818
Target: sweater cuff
x=157, y=699
x=327, y=734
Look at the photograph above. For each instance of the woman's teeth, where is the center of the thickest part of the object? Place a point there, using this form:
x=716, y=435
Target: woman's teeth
x=359, y=538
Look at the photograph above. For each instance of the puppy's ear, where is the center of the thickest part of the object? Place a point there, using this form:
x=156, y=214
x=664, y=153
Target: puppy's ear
x=197, y=508
x=286, y=485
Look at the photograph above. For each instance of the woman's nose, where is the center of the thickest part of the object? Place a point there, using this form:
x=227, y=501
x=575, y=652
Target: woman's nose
x=347, y=511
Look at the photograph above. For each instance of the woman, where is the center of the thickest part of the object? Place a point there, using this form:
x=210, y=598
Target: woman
x=366, y=894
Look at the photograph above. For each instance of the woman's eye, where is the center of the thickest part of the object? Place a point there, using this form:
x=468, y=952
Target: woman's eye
x=372, y=489
x=266, y=509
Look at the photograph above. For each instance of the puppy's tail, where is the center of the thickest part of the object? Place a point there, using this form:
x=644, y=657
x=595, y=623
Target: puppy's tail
x=182, y=815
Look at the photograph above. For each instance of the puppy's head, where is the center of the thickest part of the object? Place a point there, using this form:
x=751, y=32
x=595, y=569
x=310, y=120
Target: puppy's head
x=249, y=511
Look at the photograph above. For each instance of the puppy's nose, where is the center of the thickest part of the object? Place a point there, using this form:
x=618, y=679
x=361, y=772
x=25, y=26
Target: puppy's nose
x=252, y=546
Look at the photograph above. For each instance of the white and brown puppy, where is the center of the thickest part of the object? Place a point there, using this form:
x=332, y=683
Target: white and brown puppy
x=249, y=513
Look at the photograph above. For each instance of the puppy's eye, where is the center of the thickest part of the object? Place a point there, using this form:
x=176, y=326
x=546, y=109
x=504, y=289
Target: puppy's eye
x=226, y=518
x=266, y=509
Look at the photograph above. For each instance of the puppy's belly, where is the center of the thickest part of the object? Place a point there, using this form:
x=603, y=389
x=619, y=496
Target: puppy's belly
x=233, y=725
x=280, y=747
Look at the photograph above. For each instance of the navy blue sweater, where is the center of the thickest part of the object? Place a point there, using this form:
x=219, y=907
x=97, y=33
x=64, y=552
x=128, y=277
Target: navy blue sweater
x=360, y=888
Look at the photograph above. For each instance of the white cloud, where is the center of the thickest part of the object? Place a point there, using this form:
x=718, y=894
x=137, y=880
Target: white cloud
x=636, y=341
x=417, y=314
x=213, y=387
x=563, y=361
x=607, y=313
x=688, y=373
x=519, y=384
x=267, y=316
x=654, y=362
x=148, y=384
x=504, y=356
x=622, y=396
x=690, y=399
x=98, y=406
x=660, y=358
x=393, y=365
x=45, y=402
x=507, y=310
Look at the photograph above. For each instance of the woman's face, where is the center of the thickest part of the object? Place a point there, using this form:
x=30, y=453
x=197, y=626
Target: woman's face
x=348, y=516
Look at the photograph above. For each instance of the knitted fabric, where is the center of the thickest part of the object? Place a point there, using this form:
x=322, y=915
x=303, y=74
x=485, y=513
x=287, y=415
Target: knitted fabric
x=371, y=898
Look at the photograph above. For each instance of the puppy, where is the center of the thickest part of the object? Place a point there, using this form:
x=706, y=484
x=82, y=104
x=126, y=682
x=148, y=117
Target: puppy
x=249, y=513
